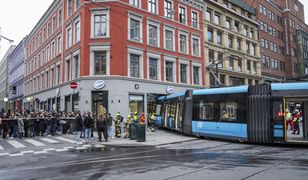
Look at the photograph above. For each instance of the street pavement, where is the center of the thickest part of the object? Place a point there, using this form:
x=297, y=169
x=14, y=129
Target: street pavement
x=182, y=159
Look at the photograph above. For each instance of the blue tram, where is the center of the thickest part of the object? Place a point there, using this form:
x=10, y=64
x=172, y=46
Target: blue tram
x=260, y=114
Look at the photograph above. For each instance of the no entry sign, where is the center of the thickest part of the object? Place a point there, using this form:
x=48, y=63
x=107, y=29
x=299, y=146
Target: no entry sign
x=73, y=85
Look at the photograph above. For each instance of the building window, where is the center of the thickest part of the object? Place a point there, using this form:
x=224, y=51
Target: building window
x=208, y=15
x=76, y=66
x=211, y=56
x=60, y=18
x=169, y=12
x=169, y=71
x=183, y=43
x=53, y=49
x=47, y=54
x=152, y=6
x=69, y=7
x=236, y=26
x=228, y=23
x=135, y=3
x=68, y=69
x=169, y=39
x=77, y=4
x=135, y=30
x=68, y=37
x=238, y=44
x=58, y=74
x=100, y=63
x=219, y=38
x=230, y=42
x=196, y=75
x=182, y=15
x=183, y=73
x=153, y=34
x=194, y=19
x=59, y=44
x=134, y=65
x=196, y=46
x=54, y=25
x=153, y=68
x=239, y=64
x=220, y=60
x=217, y=19
x=231, y=63
x=52, y=75
x=248, y=66
x=210, y=34
x=100, y=25
x=77, y=31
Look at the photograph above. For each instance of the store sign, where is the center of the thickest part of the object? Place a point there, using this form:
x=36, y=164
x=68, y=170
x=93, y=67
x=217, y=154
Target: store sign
x=170, y=89
x=100, y=84
x=6, y=99
x=57, y=91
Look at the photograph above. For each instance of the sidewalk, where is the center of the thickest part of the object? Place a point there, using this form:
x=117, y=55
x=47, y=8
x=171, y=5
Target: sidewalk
x=160, y=137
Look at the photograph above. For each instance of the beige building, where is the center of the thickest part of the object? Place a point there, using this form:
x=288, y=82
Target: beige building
x=232, y=48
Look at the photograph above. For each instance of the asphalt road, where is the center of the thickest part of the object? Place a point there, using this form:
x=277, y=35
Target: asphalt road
x=198, y=159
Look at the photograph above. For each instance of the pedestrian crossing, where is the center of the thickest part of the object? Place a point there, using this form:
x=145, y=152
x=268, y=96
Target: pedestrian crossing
x=41, y=145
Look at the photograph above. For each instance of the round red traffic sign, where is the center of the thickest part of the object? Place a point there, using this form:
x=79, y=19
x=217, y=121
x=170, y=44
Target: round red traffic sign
x=73, y=85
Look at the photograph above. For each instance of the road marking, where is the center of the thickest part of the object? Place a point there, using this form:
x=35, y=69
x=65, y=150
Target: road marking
x=40, y=152
x=16, y=144
x=50, y=149
x=1, y=148
x=87, y=145
x=66, y=140
x=99, y=146
x=49, y=140
x=4, y=154
x=17, y=154
x=26, y=152
x=69, y=147
x=81, y=148
x=61, y=150
x=34, y=142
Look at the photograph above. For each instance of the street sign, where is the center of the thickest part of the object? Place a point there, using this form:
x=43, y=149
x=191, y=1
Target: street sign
x=73, y=85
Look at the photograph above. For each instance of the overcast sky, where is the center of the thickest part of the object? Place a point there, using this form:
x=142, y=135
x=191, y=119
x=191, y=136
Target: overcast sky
x=18, y=17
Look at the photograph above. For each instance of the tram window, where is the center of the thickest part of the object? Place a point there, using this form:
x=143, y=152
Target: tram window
x=228, y=111
x=172, y=109
x=278, y=112
x=206, y=111
x=158, y=110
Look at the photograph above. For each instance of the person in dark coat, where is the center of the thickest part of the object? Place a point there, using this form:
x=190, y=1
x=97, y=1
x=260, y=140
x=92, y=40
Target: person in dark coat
x=42, y=125
x=5, y=126
x=78, y=127
x=101, y=126
x=88, y=124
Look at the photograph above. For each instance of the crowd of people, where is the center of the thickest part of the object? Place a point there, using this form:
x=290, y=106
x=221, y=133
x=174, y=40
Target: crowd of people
x=17, y=124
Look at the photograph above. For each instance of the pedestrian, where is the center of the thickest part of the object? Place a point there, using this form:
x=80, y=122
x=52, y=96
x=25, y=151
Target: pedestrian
x=1, y=117
x=88, y=124
x=117, y=120
x=142, y=118
x=126, y=126
x=109, y=124
x=5, y=126
x=296, y=119
x=78, y=127
x=21, y=126
x=101, y=126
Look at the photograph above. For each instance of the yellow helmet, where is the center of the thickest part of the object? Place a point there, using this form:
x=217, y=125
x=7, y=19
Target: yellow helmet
x=136, y=113
x=128, y=116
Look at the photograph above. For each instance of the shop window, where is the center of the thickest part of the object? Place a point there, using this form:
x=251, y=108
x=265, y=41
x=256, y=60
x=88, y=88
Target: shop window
x=136, y=104
x=206, y=111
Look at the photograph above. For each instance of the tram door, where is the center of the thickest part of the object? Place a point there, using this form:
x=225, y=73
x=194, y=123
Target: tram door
x=296, y=119
x=179, y=115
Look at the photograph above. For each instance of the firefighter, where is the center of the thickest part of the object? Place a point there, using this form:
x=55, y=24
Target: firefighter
x=126, y=126
x=118, y=119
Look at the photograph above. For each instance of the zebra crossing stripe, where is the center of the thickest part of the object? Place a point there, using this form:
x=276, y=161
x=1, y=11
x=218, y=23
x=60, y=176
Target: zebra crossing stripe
x=4, y=154
x=16, y=144
x=66, y=140
x=34, y=142
x=17, y=154
x=26, y=152
x=1, y=148
x=40, y=152
x=49, y=140
x=61, y=150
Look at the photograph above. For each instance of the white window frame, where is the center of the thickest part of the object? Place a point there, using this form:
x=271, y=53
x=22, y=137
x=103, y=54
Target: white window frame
x=153, y=23
x=57, y=77
x=94, y=49
x=195, y=64
x=59, y=48
x=137, y=52
x=75, y=4
x=156, y=56
x=76, y=53
x=68, y=41
x=173, y=31
x=100, y=12
x=197, y=19
x=156, y=7
x=185, y=11
x=172, y=10
x=135, y=3
x=75, y=32
x=179, y=40
x=68, y=58
x=192, y=45
x=67, y=8
x=173, y=60
x=186, y=62
x=137, y=18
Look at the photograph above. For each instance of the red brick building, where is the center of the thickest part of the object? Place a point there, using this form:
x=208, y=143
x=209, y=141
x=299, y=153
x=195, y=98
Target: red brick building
x=279, y=20
x=121, y=54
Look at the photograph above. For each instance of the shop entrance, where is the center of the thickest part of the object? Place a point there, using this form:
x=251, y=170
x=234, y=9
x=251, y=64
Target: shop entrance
x=99, y=102
x=136, y=104
x=296, y=119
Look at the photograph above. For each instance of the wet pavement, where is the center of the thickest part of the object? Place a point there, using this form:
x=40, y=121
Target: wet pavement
x=195, y=159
